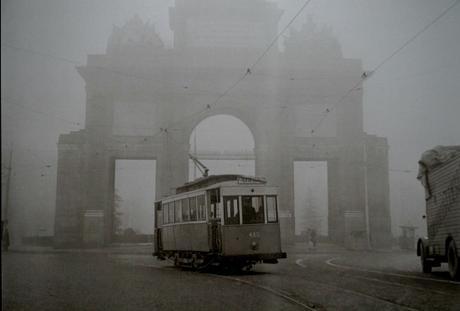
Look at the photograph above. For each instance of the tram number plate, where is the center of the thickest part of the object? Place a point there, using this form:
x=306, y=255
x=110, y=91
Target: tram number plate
x=254, y=234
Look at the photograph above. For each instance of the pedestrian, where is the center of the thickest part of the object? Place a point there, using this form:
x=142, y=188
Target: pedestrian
x=307, y=237
x=5, y=236
x=313, y=237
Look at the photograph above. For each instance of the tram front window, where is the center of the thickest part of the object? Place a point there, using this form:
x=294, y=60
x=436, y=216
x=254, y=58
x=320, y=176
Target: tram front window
x=231, y=210
x=272, y=212
x=253, y=209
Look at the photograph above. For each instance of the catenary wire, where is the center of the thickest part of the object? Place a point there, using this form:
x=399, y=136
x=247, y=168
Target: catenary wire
x=368, y=74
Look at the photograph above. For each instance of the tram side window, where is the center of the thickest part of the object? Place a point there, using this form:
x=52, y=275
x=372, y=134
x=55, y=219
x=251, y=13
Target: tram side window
x=185, y=210
x=253, y=209
x=159, y=217
x=231, y=210
x=171, y=212
x=177, y=211
x=272, y=212
x=192, y=207
x=201, y=208
x=158, y=214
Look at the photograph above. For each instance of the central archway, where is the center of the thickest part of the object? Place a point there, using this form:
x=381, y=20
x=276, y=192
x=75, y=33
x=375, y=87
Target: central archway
x=223, y=143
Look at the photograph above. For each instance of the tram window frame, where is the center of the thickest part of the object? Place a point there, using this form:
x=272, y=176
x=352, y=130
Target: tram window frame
x=159, y=217
x=158, y=214
x=177, y=211
x=185, y=211
x=201, y=206
x=234, y=219
x=275, y=200
x=250, y=215
x=213, y=203
x=192, y=204
x=192, y=211
x=165, y=213
x=171, y=212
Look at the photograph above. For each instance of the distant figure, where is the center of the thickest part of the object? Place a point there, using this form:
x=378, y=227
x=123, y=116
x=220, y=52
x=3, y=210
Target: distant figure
x=5, y=236
x=313, y=237
x=307, y=237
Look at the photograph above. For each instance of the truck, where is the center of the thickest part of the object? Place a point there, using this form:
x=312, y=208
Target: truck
x=439, y=173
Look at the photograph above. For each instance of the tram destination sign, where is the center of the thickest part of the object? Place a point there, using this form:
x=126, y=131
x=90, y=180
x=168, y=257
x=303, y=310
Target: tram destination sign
x=246, y=180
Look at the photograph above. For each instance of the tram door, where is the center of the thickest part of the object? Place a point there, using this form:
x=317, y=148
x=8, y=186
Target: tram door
x=213, y=197
x=158, y=218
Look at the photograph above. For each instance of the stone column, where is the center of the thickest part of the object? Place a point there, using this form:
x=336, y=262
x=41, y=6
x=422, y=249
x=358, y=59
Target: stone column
x=335, y=215
x=351, y=168
x=70, y=191
x=172, y=163
x=378, y=191
x=274, y=162
x=100, y=166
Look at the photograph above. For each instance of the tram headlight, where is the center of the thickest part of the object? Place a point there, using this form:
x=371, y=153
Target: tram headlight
x=254, y=245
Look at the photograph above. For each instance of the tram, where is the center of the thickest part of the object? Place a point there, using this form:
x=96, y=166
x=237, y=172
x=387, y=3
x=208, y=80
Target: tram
x=229, y=220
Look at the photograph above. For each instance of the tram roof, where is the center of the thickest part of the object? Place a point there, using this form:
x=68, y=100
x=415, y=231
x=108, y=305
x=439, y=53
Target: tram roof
x=204, y=182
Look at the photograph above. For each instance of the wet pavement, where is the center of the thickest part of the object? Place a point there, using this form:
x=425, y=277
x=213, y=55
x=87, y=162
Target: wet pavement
x=127, y=277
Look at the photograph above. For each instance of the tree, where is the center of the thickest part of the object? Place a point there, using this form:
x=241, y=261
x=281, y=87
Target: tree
x=312, y=215
x=117, y=213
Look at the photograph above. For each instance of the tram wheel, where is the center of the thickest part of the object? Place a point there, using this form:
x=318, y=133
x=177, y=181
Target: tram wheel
x=176, y=260
x=194, y=264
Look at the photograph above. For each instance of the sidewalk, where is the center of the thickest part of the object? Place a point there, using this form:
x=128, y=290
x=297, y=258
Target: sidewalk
x=133, y=249
x=147, y=249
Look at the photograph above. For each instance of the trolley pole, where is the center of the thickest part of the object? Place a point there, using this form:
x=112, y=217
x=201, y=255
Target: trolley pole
x=194, y=153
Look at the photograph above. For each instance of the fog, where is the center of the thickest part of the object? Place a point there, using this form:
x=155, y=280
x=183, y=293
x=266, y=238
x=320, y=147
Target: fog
x=412, y=100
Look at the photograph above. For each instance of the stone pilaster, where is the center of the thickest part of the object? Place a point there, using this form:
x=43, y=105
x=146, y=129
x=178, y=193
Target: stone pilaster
x=70, y=191
x=378, y=191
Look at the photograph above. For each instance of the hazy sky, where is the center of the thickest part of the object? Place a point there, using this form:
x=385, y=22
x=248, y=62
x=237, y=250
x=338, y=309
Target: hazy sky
x=414, y=99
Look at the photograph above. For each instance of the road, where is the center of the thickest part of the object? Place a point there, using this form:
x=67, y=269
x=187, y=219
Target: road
x=315, y=280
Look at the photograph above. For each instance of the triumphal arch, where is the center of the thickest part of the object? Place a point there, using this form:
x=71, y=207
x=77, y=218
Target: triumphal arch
x=144, y=100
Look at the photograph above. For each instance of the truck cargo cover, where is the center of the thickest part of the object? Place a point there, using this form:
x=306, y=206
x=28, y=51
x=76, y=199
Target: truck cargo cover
x=433, y=158
x=436, y=156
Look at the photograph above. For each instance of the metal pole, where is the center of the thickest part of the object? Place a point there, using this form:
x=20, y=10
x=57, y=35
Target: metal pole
x=366, y=198
x=7, y=187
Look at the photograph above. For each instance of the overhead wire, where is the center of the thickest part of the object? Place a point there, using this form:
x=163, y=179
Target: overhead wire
x=275, y=40
x=416, y=35
x=10, y=102
x=208, y=106
x=365, y=76
x=250, y=69
x=75, y=62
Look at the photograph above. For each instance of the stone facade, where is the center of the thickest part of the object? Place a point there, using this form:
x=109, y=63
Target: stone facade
x=143, y=102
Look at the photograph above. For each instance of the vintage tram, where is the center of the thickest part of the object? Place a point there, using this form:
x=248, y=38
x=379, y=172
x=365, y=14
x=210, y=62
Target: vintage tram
x=229, y=220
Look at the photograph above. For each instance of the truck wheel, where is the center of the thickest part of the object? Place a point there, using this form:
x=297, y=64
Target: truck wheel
x=176, y=260
x=453, y=261
x=426, y=265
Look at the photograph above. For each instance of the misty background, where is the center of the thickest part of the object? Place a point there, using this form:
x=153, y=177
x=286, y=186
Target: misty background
x=414, y=100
